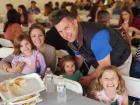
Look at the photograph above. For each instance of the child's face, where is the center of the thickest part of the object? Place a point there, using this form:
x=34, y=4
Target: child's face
x=69, y=67
x=109, y=80
x=25, y=47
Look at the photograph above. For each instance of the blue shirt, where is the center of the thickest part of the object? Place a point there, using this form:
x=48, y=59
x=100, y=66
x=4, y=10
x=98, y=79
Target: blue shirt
x=100, y=45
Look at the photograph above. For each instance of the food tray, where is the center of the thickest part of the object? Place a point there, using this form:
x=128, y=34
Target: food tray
x=31, y=84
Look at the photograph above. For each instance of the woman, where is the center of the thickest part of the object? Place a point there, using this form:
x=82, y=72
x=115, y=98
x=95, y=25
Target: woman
x=23, y=15
x=12, y=27
x=37, y=34
x=128, y=22
x=129, y=25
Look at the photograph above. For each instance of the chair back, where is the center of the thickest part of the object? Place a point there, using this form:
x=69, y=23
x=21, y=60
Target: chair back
x=6, y=43
x=61, y=53
x=70, y=84
x=133, y=86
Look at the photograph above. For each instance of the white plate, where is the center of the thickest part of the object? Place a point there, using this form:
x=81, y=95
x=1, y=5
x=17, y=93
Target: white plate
x=32, y=85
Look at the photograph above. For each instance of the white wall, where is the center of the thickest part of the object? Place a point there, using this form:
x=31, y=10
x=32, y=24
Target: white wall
x=40, y=3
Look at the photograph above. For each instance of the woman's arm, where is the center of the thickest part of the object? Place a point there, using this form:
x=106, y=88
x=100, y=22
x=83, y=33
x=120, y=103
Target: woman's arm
x=133, y=29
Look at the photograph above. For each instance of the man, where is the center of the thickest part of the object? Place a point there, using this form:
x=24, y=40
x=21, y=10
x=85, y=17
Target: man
x=34, y=9
x=9, y=6
x=93, y=43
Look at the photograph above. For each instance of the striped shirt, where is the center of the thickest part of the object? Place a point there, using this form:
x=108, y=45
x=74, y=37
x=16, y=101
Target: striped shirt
x=138, y=53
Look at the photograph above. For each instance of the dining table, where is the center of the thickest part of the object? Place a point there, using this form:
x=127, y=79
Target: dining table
x=50, y=98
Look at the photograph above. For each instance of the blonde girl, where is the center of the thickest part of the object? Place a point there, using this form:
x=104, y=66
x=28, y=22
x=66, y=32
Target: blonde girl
x=110, y=87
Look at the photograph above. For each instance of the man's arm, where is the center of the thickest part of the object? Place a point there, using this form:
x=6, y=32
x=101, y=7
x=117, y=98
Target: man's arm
x=102, y=63
x=101, y=48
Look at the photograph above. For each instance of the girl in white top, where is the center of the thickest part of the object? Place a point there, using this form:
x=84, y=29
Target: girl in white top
x=110, y=87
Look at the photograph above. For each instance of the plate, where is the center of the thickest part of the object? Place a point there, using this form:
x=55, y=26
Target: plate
x=21, y=86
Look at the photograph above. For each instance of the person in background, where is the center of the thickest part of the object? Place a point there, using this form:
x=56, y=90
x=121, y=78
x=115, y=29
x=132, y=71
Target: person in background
x=56, y=6
x=103, y=17
x=43, y=16
x=128, y=21
x=97, y=45
x=23, y=15
x=9, y=6
x=12, y=27
x=26, y=58
x=129, y=25
x=69, y=66
x=33, y=9
x=110, y=87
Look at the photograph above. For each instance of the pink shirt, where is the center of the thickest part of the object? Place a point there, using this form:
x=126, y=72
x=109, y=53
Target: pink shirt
x=30, y=62
x=103, y=98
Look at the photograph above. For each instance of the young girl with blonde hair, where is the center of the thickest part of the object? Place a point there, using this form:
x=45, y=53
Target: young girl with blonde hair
x=110, y=87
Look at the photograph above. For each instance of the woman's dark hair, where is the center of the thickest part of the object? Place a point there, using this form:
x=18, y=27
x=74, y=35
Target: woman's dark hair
x=48, y=8
x=37, y=26
x=128, y=10
x=9, y=5
x=25, y=14
x=12, y=17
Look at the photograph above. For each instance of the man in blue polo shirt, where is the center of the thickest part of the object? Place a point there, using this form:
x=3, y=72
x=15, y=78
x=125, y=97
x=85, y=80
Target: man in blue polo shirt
x=93, y=43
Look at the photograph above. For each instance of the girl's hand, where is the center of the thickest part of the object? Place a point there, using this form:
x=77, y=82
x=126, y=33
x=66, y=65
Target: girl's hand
x=6, y=66
x=20, y=65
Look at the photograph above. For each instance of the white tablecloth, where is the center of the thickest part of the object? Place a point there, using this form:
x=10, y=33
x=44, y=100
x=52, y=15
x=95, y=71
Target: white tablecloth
x=4, y=52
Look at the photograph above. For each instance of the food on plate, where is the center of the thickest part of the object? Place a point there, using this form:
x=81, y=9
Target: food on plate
x=19, y=81
x=16, y=85
x=14, y=88
x=3, y=87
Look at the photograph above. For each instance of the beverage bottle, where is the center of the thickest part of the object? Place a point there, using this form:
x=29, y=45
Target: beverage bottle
x=61, y=91
x=38, y=67
x=49, y=82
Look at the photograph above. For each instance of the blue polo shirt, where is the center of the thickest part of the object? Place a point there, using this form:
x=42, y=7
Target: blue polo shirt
x=100, y=44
